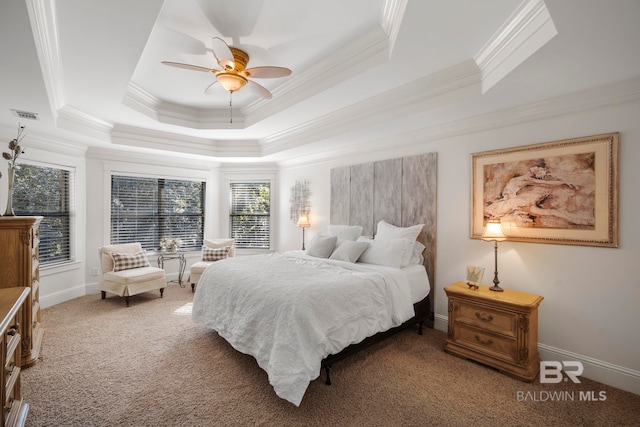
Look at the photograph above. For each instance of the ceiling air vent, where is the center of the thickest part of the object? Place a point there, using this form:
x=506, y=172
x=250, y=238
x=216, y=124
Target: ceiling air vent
x=25, y=115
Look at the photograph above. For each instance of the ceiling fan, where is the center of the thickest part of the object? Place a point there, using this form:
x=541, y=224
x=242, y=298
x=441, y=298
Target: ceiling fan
x=233, y=74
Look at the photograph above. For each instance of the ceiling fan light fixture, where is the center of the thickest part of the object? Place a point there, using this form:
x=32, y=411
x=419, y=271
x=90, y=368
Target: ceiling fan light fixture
x=231, y=82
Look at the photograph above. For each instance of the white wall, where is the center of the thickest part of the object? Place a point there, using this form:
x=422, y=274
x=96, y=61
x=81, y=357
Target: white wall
x=591, y=305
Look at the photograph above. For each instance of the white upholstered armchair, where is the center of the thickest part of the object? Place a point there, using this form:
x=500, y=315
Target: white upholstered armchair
x=212, y=251
x=126, y=271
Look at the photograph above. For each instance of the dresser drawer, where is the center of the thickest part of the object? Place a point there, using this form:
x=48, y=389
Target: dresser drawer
x=12, y=341
x=494, y=345
x=12, y=377
x=502, y=322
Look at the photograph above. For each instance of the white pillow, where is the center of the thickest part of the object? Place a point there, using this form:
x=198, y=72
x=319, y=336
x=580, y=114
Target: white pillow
x=387, y=231
x=344, y=232
x=391, y=252
x=349, y=251
x=221, y=243
x=416, y=254
x=322, y=246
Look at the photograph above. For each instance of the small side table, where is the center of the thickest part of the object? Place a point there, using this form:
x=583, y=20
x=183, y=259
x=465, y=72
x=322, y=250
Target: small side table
x=164, y=256
x=499, y=329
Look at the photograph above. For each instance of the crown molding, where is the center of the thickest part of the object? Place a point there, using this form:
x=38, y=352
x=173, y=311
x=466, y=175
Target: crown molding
x=75, y=120
x=145, y=103
x=119, y=156
x=391, y=20
x=141, y=101
x=450, y=85
x=157, y=140
x=528, y=29
x=617, y=94
x=45, y=34
x=49, y=143
x=348, y=61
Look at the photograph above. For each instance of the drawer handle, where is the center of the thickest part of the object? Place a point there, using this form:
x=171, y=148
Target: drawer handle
x=7, y=407
x=487, y=342
x=488, y=318
x=13, y=329
x=9, y=370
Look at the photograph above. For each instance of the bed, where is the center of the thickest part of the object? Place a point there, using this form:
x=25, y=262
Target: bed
x=291, y=311
x=297, y=314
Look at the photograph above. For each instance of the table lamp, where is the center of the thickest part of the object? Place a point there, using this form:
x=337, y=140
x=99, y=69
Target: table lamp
x=493, y=233
x=303, y=222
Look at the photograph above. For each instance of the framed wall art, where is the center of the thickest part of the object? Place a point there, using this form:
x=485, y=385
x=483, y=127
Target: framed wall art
x=563, y=192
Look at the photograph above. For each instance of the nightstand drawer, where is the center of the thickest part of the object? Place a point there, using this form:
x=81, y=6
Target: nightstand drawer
x=502, y=322
x=488, y=343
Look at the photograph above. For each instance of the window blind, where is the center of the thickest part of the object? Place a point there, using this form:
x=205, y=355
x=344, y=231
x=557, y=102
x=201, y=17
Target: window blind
x=250, y=218
x=147, y=210
x=46, y=191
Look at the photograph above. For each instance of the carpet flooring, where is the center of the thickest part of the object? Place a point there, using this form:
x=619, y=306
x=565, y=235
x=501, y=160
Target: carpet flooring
x=103, y=364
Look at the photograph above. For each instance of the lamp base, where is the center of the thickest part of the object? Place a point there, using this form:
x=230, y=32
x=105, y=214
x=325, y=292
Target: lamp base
x=496, y=288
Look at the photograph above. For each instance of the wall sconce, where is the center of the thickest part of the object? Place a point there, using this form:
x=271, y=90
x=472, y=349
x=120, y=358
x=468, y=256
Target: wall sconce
x=493, y=233
x=303, y=222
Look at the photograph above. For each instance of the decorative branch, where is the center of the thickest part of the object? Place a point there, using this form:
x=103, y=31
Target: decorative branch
x=15, y=149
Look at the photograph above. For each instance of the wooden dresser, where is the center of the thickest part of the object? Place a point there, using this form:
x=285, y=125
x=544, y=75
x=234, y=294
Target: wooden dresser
x=19, y=240
x=499, y=329
x=14, y=409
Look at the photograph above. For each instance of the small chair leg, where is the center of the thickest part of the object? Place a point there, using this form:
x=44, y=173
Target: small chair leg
x=104, y=294
x=193, y=288
x=420, y=328
x=126, y=301
x=161, y=292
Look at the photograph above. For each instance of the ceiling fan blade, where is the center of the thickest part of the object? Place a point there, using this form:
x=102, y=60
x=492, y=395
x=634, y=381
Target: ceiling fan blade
x=189, y=66
x=223, y=54
x=266, y=72
x=210, y=89
x=259, y=90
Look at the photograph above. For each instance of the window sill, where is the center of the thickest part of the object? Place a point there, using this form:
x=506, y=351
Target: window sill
x=50, y=270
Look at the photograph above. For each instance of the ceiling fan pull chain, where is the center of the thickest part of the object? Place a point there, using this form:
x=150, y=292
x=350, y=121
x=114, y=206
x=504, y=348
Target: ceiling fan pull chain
x=230, y=107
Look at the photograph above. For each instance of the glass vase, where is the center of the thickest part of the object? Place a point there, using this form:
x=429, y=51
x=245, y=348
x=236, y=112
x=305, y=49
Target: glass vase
x=9, y=210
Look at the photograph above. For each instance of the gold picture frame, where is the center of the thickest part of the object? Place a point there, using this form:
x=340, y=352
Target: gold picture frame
x=561, y=192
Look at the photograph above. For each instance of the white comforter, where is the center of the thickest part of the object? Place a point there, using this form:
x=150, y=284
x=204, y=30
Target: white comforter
x=290, y=311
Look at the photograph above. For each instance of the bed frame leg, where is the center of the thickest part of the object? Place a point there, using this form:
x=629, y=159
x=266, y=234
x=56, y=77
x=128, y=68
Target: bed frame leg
x=420, y=328
x=327, y=370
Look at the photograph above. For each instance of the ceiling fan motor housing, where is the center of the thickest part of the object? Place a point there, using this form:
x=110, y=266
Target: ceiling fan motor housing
x=240, y=57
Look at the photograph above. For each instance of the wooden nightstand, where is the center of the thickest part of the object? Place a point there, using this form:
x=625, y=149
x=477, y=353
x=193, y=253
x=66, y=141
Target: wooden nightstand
x=499, y=329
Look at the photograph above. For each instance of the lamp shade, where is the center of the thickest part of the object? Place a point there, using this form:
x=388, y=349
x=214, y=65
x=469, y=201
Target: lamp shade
x=303, y=221
x=231, y=82
x=493, y=231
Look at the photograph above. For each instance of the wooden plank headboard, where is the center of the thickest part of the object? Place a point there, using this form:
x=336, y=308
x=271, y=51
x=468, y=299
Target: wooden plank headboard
x=399, y=191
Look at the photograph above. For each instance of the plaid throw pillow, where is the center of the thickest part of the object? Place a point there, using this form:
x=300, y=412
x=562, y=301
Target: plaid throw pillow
x=215, y=254
x=129, y=261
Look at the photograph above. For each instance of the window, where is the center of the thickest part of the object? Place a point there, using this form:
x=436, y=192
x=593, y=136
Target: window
x=250, y=218
x=146, y=210
x=46, y=191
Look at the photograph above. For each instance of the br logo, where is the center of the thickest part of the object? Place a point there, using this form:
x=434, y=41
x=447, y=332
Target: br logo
x=551, y=371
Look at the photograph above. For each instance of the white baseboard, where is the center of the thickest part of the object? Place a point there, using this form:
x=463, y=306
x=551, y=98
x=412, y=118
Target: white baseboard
x=441, y=323
x=597, y=370
x=60, y=297
x=594, y=369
